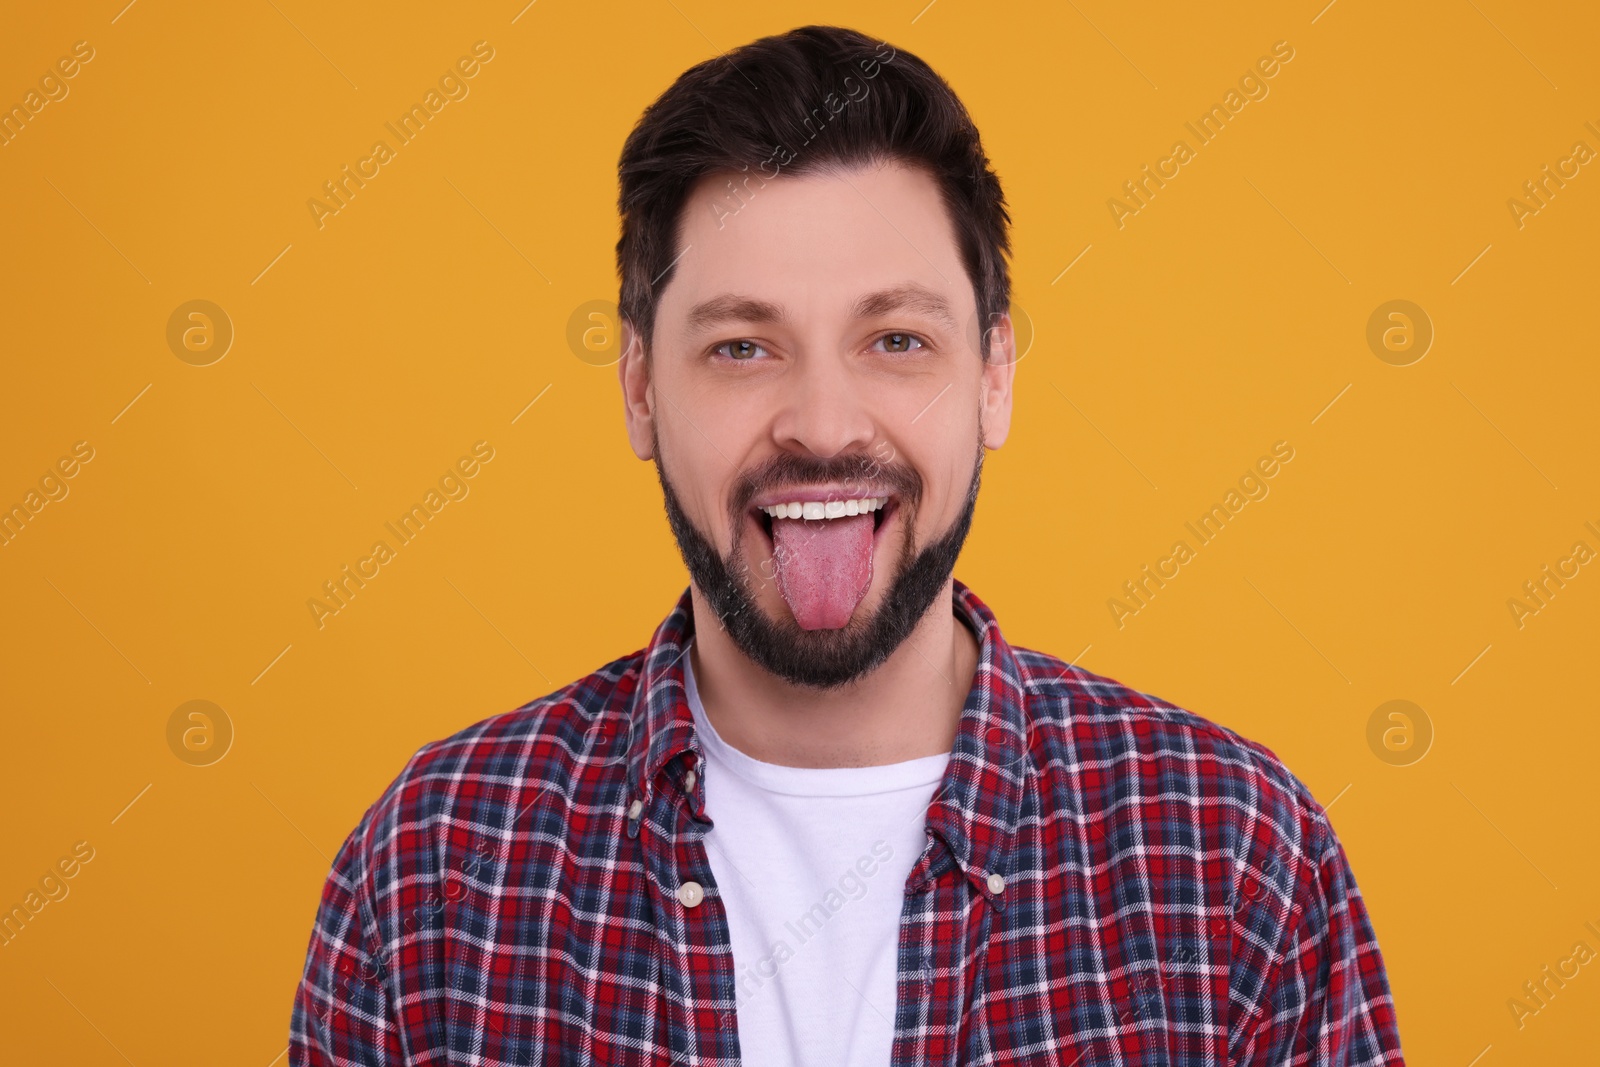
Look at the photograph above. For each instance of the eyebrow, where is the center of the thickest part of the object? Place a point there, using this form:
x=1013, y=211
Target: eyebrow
x=907, y=297
x=729, y=308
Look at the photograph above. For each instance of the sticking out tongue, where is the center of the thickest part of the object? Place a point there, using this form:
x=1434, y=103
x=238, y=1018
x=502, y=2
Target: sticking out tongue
x=824, y=567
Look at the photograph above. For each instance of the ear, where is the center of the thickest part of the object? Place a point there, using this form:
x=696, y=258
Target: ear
x=638, y=400
x=999, y=374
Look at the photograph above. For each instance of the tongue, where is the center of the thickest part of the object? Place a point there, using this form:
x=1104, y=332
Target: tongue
x=824, y=567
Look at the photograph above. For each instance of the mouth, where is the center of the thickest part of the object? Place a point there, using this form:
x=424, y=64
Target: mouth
x=819, y=545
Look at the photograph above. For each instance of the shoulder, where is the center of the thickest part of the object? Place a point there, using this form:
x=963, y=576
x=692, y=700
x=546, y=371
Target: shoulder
x=1127, y=748
x=484, y=775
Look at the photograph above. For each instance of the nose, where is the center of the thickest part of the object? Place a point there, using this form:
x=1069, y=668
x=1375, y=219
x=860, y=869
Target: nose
x=825, y=409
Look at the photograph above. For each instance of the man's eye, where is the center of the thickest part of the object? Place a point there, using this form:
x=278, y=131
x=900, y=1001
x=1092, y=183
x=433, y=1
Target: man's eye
x=899, y=343
x=742, y=351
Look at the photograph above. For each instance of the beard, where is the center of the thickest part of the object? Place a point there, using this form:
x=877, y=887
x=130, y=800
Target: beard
x=821, y=659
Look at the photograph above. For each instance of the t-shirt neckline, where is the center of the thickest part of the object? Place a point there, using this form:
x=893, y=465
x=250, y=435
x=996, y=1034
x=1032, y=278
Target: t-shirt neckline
x=920, y=772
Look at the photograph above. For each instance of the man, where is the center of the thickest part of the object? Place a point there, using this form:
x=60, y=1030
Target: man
x=829, y=815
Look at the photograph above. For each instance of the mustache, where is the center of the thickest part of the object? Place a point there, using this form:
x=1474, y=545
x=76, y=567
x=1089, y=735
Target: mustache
x=859, y=474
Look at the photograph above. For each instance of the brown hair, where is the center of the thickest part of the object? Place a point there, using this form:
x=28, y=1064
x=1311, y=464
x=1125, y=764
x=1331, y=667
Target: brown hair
x=812, y=99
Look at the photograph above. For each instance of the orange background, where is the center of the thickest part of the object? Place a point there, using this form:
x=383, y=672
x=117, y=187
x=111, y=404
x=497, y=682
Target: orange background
x=369, y=354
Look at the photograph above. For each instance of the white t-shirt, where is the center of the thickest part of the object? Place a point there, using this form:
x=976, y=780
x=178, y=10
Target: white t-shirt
x=812, y=866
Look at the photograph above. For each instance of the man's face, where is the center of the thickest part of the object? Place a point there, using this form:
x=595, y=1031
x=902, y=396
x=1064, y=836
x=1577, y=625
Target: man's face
x=818, y=345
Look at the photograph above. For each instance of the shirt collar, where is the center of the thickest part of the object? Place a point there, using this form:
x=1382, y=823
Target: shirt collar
x=974, y=810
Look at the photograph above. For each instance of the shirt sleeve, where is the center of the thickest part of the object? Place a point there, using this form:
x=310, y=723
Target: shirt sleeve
x=1328, y=1001
x=342, y=1012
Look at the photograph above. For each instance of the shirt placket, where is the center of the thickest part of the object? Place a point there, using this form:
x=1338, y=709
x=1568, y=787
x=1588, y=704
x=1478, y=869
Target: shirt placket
x=697, y=978
x=944, y=932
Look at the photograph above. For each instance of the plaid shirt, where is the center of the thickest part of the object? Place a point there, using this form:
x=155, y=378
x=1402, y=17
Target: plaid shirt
x=1168, y=893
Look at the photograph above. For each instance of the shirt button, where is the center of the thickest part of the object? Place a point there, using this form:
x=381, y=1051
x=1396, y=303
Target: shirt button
x=635, y=808
x=688, y=782
x=690, y=894
x=997, y=884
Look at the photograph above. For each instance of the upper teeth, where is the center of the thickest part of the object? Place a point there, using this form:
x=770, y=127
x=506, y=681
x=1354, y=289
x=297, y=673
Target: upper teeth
x=831, y=509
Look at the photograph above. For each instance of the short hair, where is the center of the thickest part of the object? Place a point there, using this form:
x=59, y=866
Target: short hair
x=820, y=97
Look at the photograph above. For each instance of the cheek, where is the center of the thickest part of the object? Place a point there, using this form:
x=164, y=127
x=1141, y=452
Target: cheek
x=700, y=465
x=944, y=457
x=952, y=496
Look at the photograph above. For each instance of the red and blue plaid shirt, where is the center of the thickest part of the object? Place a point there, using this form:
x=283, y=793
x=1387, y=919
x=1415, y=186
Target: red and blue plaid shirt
x=1168, y=892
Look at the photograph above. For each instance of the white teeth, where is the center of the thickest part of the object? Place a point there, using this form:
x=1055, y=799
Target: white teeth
x=831, y=509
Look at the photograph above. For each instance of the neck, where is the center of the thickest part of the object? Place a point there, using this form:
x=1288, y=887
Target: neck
x=908, y=707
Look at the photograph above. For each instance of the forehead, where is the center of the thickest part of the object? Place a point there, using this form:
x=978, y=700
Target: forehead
x=814, y=242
